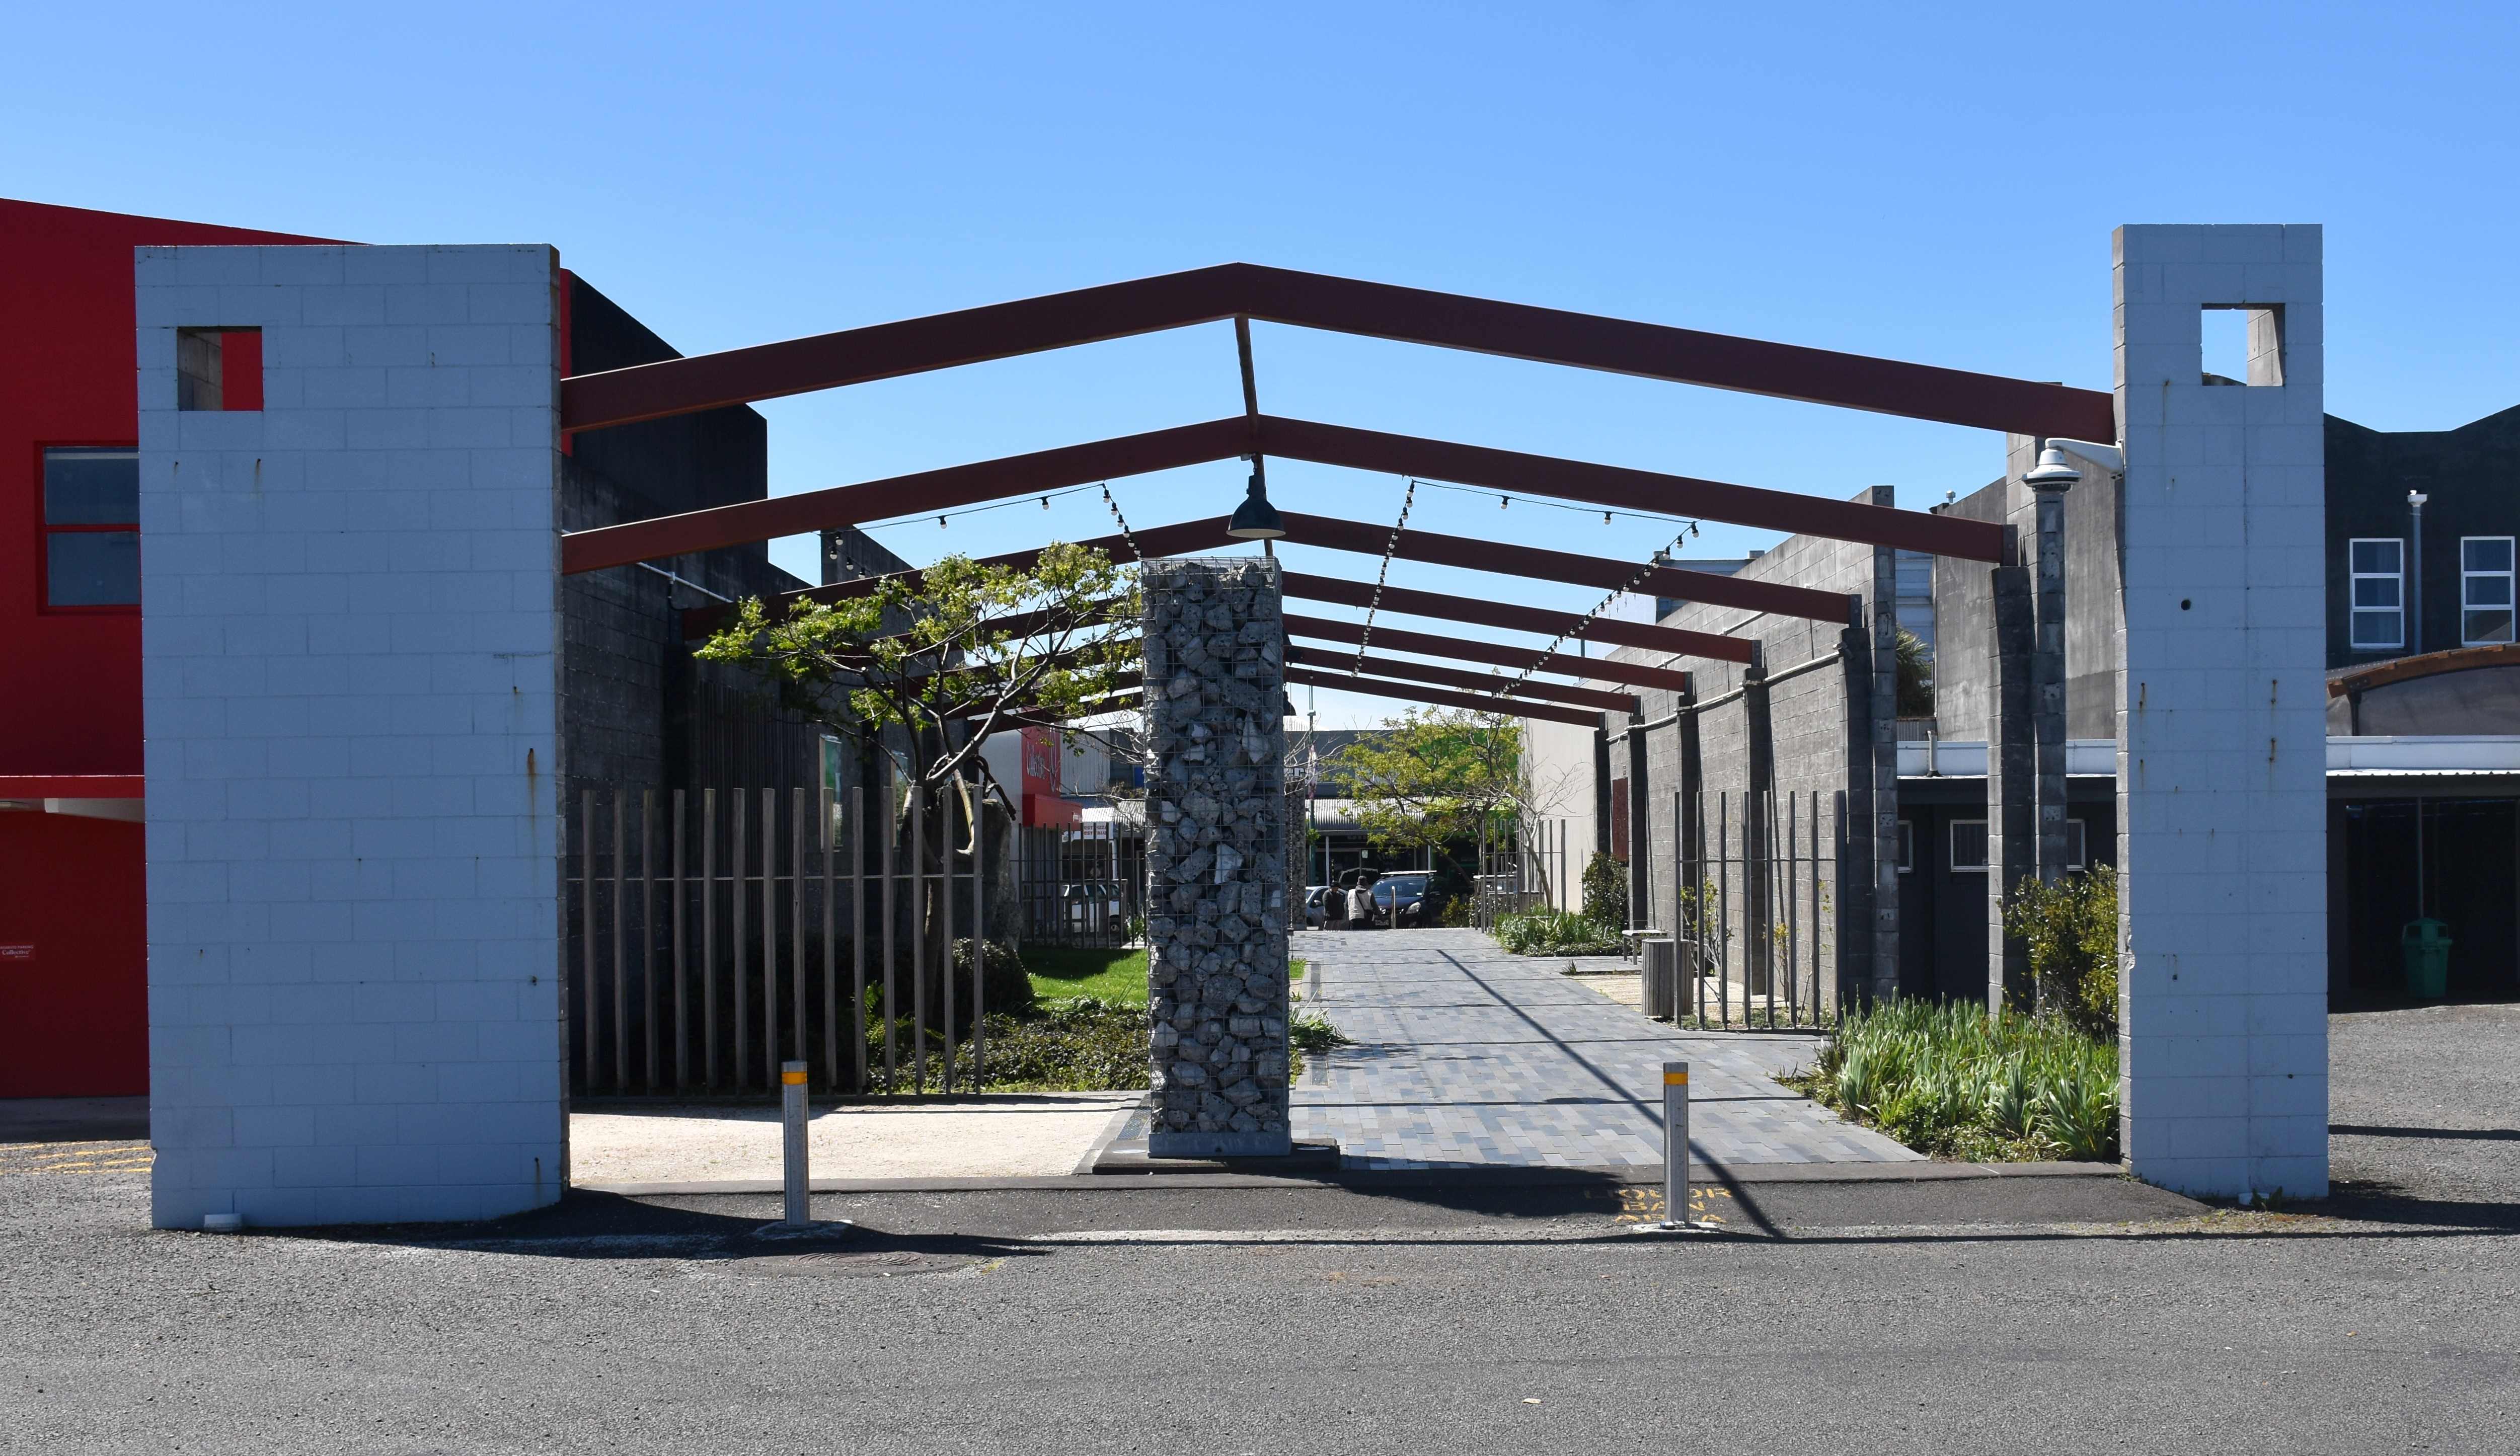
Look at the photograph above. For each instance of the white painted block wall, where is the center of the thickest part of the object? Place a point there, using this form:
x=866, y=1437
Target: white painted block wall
x=350, y=628
x=2222, y=793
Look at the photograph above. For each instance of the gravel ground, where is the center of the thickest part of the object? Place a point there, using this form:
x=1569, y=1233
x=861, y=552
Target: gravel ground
x=2058, y=1315
x=2424, y=1104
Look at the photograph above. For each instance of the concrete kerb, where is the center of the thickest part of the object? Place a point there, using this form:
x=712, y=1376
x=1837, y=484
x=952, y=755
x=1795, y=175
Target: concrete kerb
x=1168, y=1175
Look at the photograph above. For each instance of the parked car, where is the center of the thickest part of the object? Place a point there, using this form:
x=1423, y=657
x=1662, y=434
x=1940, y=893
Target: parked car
x=1313, y=905
x=1400, y=900
x=1092, y=907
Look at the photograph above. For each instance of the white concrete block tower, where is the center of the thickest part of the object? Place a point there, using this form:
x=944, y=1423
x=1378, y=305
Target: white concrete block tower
x=2222, y=793
x=350, y=635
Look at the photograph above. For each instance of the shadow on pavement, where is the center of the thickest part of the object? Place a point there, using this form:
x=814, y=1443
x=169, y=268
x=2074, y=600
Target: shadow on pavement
x=74, y=1119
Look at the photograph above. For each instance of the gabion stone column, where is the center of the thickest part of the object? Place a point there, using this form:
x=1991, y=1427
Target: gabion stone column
x=1216, y=860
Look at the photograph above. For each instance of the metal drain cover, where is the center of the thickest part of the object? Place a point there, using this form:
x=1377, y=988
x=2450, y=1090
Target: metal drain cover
x=879, y=1265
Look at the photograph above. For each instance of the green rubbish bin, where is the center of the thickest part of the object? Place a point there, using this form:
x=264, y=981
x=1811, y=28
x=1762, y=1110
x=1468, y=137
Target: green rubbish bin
x=2427, y=959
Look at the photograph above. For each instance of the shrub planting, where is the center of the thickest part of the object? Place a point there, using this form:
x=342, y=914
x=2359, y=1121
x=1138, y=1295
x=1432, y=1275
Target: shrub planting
x=1953, y=1081
x=1606, y=891
x=2071, y=930
x=1555, y=933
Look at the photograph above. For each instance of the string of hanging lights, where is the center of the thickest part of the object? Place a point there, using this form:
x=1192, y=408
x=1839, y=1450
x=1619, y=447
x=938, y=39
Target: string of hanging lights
x=1607, y=516
x=1584, y=624
x=972, y=510
x=1126, y=535
x=1375, y=603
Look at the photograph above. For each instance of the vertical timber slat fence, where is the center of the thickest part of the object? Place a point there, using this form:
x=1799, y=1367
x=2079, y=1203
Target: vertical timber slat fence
x=655, y=916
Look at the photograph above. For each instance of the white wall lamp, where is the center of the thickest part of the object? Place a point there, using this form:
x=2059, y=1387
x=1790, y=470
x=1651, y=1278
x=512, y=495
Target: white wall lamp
x=2055, y=472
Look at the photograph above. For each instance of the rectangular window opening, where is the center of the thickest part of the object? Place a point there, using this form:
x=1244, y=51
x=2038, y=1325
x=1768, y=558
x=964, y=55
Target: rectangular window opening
x=2485, y=602
x=91, y=526
x=1968, y=846
x=1907, y=845
x=219, y=369
x=2243, y=343
x=2075, y=857
x=2375, y=566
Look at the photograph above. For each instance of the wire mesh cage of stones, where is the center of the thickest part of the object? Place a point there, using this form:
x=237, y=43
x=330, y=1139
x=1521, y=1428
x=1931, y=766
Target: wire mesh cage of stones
x=1217, y=931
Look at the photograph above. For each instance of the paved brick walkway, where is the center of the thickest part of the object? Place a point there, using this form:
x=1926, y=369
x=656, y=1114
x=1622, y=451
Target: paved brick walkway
x=1467, y=1055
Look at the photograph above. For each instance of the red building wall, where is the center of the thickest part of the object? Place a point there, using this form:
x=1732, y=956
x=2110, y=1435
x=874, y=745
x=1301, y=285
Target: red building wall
x=74, y=972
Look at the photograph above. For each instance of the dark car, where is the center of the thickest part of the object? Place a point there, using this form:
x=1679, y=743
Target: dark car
x=1400, y=899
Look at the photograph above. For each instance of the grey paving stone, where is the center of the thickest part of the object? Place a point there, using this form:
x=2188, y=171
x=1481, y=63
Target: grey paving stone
x=1465, y=1054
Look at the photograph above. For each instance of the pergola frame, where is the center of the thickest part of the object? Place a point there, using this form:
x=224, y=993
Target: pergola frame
x=1381, y=687
x=1243, y=292
x=1344, y=305
x=1457, y=677
x=1494, y=653
x=1426, y=546
x=1507, y=472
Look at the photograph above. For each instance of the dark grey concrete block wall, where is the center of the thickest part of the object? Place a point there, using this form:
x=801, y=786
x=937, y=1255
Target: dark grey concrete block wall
x=2095, y=615
x=1813, y=718
x=637, y=711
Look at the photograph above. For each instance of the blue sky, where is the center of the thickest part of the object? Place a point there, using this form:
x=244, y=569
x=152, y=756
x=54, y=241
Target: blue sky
x=1931, y=183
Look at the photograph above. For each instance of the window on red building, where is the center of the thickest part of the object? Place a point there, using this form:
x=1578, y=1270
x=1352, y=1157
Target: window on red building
x=91, y=526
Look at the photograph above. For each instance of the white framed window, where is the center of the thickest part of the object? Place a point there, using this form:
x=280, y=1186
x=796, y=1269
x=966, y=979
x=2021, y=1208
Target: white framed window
x=1968, y=846
x=2377, y=567
x=2484, y=590
x=2074, y=858
x=1907, y=845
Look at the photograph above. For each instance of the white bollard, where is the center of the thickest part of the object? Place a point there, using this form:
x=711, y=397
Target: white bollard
x=1675, y=1142
x=1675, y=1158
x=792, y=1087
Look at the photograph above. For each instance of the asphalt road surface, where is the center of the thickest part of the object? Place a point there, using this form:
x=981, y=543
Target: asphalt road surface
x=2017, y=1314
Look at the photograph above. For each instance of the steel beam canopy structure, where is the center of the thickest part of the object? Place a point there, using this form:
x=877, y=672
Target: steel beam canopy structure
x=1498, y=654
x=1443, y=607
x=1378, y=310
x=1426, y=546
x=1455, y=677
x=1414, y=692
x=1505, y=471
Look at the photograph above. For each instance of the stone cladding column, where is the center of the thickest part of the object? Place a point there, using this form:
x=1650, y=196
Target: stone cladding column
x=1216, y=861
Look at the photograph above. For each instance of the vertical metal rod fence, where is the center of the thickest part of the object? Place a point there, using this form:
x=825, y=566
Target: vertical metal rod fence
x=643, y=999
x=918, y=938
x=829, y=839
x=945, y=913
x=682, y=1020
x=769, y=929
x=1763, y=878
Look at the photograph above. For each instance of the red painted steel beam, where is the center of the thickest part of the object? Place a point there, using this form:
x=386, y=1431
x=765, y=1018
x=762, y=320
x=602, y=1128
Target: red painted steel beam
x=1567, y=567
x=746, y=521
x=1455, y=677
x=1344, y=305
x=1613, y=485
x=1412, y=693
x=807, y=510
x=1470, y=649
x=1442, y=607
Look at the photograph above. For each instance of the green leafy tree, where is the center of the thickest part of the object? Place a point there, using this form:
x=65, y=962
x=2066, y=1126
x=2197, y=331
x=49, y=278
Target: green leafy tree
x=929, y=663
x=1432, y=776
